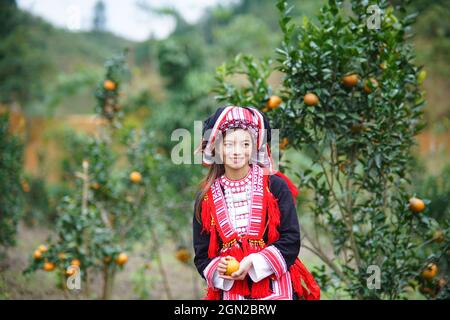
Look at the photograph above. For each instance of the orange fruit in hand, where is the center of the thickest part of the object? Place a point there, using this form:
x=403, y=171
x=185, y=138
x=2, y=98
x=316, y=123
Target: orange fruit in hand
x=374, y=82
x=311, y=99
x=135, y=177
x=75, y=262
x=430, y=271
x=232, y=266
x=42, y=248
x=121, y=259
x=274, y=102
x=350, y=80
x=416, y=205
x=37, y=254
x=49, y=266
x=109, y=85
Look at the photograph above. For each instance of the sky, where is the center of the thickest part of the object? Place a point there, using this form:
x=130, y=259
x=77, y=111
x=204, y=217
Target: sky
x=123, y=17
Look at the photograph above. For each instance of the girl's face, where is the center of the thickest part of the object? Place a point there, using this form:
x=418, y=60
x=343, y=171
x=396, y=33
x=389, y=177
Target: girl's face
x=237, y=148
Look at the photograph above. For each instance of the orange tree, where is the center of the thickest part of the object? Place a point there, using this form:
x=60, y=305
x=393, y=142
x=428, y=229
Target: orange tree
x=11, y=195
x=106, y=212
x=350, y=100
x=437, y=189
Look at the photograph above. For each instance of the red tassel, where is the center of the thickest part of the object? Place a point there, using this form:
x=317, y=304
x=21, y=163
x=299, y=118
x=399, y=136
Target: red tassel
x=299, y=272
x=236, y=252
x=212, y=294
x=206, y=217
x=240, y=287
x=245, y=246
x=213, y=243
x=296, y=281
x=252, y=248
x=207, y=212
x=274, y=218
x=261, y=289
x=291, y=186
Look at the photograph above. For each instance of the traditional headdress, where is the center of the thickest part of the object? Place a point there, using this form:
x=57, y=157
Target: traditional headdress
x=232, y=117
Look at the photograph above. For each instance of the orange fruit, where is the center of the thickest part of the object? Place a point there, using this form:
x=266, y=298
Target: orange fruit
x=135, y=177
x=25, y=186
x=121, y=259
x=274, y=102
x=374, y=82
x=109, y=85
x=183, y=255
x=232, y=266
x=284, y=142
x=430, y=271
x=61, y=255
x=357, y=127
x=350, y=80
x=416, y=205
x=75, y=262
x=49, y=266
x=311, y=99
x=42, y=248
x=438, y=236
x=71, y=272
x=37, y=254
x=343, y=166
x=95, y=185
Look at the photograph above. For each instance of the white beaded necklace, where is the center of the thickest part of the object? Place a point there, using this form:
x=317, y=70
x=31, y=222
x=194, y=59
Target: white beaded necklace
x=238, y=200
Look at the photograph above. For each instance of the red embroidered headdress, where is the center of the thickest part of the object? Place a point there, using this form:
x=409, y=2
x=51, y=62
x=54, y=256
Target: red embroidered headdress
x=248, y=118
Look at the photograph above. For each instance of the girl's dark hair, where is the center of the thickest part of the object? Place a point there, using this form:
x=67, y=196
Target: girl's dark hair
x=215, y=171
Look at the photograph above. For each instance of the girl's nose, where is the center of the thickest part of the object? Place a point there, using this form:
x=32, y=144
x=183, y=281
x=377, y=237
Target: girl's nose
x=237, y=150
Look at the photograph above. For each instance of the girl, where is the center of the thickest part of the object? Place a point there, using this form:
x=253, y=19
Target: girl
x=246, y=211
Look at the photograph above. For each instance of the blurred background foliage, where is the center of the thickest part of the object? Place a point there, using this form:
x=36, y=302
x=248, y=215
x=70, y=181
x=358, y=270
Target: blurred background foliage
x=48, y=76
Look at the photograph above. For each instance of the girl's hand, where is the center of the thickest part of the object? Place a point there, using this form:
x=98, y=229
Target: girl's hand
x=244, y=266
x=222, y=266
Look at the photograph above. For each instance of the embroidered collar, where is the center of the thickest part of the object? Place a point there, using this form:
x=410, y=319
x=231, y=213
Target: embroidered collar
x=256, y=218
x=235, y=183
